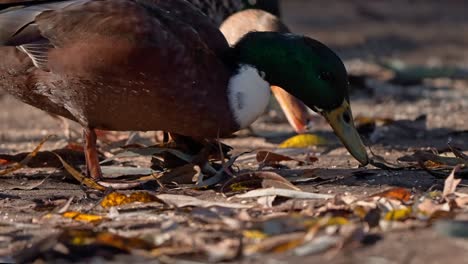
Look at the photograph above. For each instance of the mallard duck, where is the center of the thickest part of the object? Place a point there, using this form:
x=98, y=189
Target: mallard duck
x=161, y=65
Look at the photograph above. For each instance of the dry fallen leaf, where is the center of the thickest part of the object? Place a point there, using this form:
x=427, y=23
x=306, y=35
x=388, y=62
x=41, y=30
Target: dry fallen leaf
x=84, y=237
x=83, y=217
x=26, y=160
x=284, y=193
x=185, y=174
x=278, y=244
x=398, y=193
x=398, y=214
x=303, y=141
x=428, y=208
x=88, y=182
x=184, y=201
x=118, y=199
x=255, y=180
x=273, y=159
x=254, y=234
x=451, y=183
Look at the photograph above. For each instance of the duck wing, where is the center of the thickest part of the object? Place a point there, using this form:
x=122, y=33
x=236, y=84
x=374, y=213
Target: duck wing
x=122, y=64
x=37, y=26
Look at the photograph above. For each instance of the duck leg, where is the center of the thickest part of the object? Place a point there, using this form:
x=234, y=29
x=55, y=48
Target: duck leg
x=91, y=155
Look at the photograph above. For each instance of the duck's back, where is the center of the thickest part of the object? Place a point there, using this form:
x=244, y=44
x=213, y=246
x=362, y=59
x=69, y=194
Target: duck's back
x=119, y=64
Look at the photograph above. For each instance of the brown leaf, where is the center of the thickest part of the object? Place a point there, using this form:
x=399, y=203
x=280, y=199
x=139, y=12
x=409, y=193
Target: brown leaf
x=429, y=208
x=462, y=202
x=255, y=180
x=26, y=160
x=271, y=158
x=451, y=183
x=398, y=193
x=4, y=162
x=424, y=156
x=278, y=244
x=44, y=159
x=89, y=237
x=28, y=187
x=185, y=174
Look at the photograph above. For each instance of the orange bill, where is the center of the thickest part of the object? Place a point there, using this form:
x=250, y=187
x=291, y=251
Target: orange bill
x=296, y=112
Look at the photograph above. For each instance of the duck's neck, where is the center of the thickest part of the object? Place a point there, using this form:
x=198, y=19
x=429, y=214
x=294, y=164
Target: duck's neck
x=248, y=94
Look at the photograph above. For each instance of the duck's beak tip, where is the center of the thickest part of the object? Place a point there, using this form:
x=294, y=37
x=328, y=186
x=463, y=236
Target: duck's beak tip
x=341, y=120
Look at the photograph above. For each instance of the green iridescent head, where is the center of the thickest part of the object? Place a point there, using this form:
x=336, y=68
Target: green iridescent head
x=310, y=71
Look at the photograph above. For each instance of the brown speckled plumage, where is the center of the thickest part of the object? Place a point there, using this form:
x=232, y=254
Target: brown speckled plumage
x=160, y=68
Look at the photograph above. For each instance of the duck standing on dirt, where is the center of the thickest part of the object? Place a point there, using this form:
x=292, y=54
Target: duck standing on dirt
x=161, y=65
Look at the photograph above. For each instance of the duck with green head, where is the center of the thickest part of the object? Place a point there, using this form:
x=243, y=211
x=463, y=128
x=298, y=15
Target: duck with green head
x=164, y=67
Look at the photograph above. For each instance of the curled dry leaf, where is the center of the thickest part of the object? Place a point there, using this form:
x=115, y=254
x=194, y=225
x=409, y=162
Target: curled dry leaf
x=184, y=201
x=88, y=182
x=303, y=141
x=118, y=199
x=26, y=187
x=398, y=193
x=276, y=244
x=462, y=202
x=451, y=183
x=26, y=160
x=430, y=209
x=432, y=159
x=273, y=159
x=284, y=193
x=185, y=174
x=255, y=180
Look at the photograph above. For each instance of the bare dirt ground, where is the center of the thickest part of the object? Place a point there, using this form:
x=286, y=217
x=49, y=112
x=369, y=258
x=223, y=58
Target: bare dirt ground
x=366, y=35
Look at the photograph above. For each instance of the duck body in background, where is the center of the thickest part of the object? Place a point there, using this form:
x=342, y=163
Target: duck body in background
x=166, y=66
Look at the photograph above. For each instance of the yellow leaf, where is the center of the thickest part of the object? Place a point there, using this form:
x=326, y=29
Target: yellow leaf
x=84, y=237
x=254, y=234
x=82, y=217
x=303, y=141
x=360, y=211
x=398, y=214
x=337, y=221
x=288, y=246
x=326, y=221
x=88, y=182
x=116, y=199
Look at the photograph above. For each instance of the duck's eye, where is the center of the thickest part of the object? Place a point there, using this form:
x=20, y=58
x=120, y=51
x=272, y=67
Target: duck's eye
x=325, y=76
x=347, y=117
